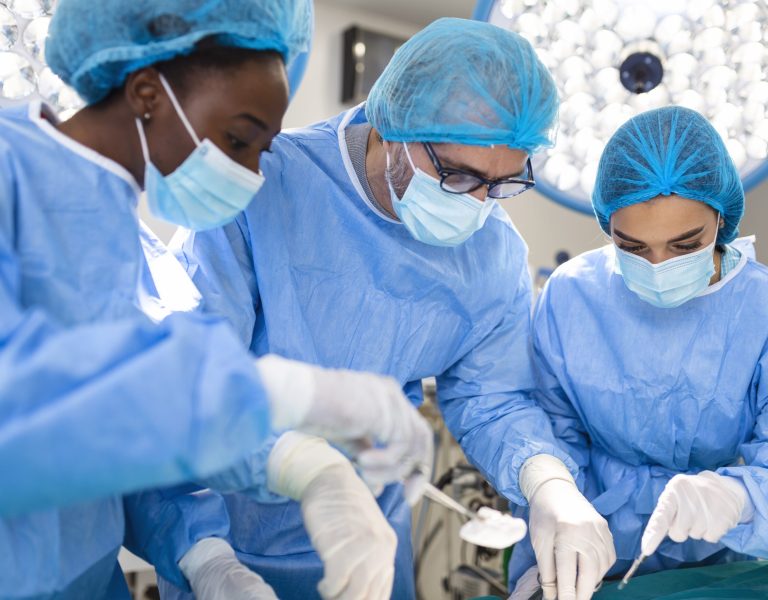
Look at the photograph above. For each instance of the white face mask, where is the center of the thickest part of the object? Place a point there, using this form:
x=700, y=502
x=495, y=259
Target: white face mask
x=207, y=190
x=434, y=216
x=670, y=283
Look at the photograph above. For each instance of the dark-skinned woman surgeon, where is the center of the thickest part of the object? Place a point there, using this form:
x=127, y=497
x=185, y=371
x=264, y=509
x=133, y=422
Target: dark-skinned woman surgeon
x=109, y=381
x=652, y=354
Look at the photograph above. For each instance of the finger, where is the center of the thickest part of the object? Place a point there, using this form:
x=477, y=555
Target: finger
x=380, y=587
x=353, y=448
x=359, y=584
x=545, y=558
x=698, y=528
x=413, y=488
x=382, y=466
x=387, y=457
x=608, y=554
x=658, y=525
x=588, y=578
x=714, y=535
x=680, y=527
x=566, y=561
x=337, y=575
x=369, y=568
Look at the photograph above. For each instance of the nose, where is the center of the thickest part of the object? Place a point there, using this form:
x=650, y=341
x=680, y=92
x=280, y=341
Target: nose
x=659, y=256
x=480, y=193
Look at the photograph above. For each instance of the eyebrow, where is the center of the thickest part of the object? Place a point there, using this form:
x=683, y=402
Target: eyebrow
x=679, y=238
x=255, y=120
x=449, y=164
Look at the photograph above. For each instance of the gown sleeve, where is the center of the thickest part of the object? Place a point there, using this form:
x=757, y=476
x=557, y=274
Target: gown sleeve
x=752, y=537
x=488, y=402
x=163, y=524
x=548, y=360
x=108, y=408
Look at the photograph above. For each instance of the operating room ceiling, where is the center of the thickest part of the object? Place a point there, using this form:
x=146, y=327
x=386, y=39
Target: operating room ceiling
x=420, y=12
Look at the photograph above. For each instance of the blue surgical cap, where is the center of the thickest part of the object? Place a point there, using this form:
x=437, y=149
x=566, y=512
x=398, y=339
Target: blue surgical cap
x=671, y=150
x=94, y=46
x=466, y=82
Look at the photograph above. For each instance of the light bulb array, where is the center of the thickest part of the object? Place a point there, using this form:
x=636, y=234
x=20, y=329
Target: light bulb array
x=714, y=60
x=23, y=72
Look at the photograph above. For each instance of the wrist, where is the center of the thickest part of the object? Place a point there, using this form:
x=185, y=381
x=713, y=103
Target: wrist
x=296, y=460
x=737, y=489
x=540, y=469
x=290, y=387
x=201, y=553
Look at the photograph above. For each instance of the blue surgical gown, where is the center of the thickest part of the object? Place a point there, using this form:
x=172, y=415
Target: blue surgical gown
x=641, y=394
x=311, y=271
x=96, y=398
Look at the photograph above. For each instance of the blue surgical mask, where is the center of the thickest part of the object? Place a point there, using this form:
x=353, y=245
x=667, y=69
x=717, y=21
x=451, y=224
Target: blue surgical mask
x=669, y=283
x=434, y=216
x=208, y=190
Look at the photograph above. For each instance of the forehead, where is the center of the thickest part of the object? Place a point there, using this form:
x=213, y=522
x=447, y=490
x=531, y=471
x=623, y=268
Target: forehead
x=256, y=86
x=662, y=217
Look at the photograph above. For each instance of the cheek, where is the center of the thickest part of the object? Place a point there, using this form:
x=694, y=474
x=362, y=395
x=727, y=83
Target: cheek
x=168, y=149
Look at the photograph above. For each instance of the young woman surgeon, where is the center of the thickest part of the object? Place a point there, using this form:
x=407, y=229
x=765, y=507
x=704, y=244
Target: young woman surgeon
x=104, y=387
x=652, y=355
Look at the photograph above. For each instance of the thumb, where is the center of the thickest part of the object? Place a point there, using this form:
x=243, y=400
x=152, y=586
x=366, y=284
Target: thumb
x=658, y=525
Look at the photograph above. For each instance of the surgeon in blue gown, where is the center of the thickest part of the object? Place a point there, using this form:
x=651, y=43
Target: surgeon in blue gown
x=652, y=353
x=377, y=243
x=109, y=382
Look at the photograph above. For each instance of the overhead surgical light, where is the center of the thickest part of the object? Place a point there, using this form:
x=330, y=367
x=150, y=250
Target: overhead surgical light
x=25, y=76
x=23, y=72
x=613, y=59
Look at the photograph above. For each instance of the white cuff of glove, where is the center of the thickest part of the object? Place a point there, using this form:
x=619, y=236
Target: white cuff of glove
x=203, y=551
x=740, y=490
x=296, y=459
x=539, y=469
x=290, y=386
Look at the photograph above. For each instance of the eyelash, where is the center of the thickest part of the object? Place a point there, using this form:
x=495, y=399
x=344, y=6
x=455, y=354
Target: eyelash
x=236, y=143
x=640, y=249
x=686, y=247
x=632, y=249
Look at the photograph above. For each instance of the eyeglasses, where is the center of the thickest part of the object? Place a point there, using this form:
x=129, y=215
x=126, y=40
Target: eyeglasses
x=458, y=181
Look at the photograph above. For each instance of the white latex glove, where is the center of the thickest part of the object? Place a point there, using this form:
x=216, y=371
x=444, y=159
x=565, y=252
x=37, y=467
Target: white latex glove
x=352, y=537
x=573, y=545
x=703, y=507
x=214, y=573
x=355, y=410
x=527, y=585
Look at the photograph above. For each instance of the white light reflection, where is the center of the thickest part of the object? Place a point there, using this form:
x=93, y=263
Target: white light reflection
x=713, y=54
x=23, y=72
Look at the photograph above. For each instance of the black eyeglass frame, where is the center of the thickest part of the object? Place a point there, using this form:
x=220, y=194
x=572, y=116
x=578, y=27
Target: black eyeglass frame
x=445, y=172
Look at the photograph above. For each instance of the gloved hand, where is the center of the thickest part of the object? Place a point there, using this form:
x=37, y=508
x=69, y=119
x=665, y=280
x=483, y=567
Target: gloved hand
x=703, y=507
x=355, y=410
x=214, y=573
x=352, y=537
x=572, y=542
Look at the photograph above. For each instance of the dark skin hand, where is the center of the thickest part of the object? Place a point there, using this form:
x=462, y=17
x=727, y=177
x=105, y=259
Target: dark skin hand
x=239, y=109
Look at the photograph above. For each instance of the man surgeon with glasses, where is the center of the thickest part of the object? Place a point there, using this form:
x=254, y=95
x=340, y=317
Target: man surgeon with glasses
x=377, y=243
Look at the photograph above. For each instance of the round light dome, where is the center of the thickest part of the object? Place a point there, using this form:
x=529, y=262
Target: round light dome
x=613, y=59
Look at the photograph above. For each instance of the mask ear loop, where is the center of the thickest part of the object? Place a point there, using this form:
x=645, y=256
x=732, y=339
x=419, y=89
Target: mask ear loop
x=389, y=163
x=179, y=110
x=143, y=141
x=408, y=155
